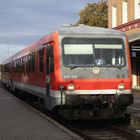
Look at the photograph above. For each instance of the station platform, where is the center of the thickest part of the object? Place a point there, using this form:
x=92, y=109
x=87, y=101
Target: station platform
x=19, y=121
x=136, y=87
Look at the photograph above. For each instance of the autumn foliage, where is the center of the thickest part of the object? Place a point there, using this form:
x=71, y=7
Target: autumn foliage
x=94, y=14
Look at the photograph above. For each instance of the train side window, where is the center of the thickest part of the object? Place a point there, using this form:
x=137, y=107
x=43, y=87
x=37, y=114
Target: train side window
x=33, y=61
x=51, y=64
x=10, y=67
x=26, y=63
x=5, y=68
x=49, y=51
x=23, y=64
x=14, y=66
x=51, y=58
x=29, y=63
x=41, y=58
x=18, y=66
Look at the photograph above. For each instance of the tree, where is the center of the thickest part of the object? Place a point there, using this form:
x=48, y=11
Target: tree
x=94, y=14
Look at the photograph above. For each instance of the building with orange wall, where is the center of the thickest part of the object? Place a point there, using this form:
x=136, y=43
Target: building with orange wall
x=124, y=15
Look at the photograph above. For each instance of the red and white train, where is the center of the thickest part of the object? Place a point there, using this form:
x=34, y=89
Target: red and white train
x=83, y=71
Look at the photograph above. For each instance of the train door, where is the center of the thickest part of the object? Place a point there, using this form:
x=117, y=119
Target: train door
x=49, y=67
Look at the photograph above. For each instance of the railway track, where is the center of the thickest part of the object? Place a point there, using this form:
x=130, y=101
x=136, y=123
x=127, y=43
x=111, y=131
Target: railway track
x=98, y=129
x=93, y=129
x=102, y=130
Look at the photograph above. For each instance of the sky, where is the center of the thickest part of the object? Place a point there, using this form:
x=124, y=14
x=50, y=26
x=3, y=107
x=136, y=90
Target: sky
x=23, y=22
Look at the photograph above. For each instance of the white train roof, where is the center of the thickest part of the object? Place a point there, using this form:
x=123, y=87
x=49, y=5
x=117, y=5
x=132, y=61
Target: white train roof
x=70, y=31
x=84, y=29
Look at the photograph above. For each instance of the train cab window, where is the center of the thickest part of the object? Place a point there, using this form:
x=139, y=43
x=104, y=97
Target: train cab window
x=114, y=51
x=41, y=58
x=90, y=52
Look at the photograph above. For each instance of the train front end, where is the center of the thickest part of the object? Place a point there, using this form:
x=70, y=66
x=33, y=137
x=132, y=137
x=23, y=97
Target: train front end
x=95, y=74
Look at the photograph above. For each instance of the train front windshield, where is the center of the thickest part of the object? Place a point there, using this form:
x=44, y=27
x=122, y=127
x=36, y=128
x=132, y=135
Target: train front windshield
x=93, y=52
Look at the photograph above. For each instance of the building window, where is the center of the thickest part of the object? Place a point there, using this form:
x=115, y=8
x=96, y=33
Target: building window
x=114, y=16
x=137, y=9
x=124, y=9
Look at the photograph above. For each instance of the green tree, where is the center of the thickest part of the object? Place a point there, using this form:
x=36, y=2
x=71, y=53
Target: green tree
x=94, y=14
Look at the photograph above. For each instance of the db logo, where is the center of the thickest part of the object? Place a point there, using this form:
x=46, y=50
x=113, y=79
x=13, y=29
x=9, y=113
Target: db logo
x=96, y=70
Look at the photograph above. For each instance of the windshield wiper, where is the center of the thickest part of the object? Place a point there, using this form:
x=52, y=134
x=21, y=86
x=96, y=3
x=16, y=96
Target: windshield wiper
x=74, y=67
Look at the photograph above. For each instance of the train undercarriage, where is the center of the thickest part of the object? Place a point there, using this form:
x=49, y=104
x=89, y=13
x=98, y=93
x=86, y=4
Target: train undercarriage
x=95, y=107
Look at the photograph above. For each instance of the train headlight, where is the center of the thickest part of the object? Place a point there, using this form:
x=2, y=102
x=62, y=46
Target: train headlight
x=71, y=87
x=121, y=86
